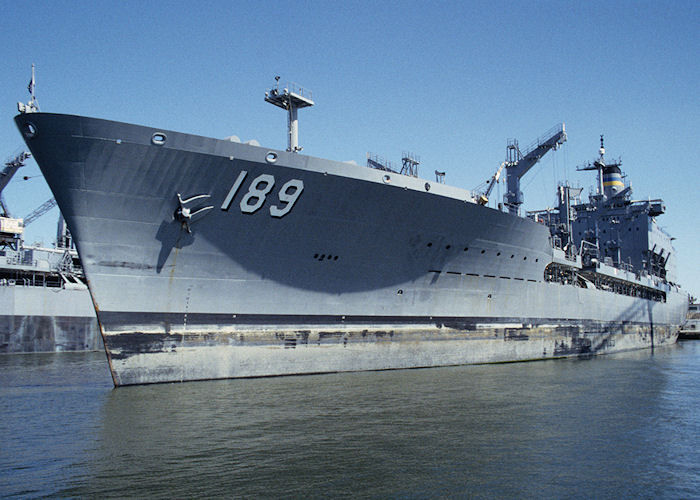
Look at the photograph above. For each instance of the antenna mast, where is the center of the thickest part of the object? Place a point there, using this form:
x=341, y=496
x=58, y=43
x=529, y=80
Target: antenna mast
x=32, y=106
x=291, y=97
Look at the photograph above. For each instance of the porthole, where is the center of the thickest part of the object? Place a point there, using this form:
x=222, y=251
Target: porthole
x=483, y=251
x=400, y=292
x=537, y=260
x=271, y=157
x=466, y=249
x=29, y=130
x=427, y=186
x=158, y=138
x=498, y=254
x=512, y=256
x=386, y=179
x=315, y=256
x=524, y=258
x=448, y=247
x=335, y=258
x=429, y=245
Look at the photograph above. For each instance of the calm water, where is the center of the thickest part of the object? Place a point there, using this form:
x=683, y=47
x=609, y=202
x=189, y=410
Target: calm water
x=623, y=425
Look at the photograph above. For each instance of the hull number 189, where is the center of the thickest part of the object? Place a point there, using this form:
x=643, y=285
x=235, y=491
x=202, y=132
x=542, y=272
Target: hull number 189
x=257, y=193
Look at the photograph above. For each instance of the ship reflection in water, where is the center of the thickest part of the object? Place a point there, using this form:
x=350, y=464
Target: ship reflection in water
x=623, y=424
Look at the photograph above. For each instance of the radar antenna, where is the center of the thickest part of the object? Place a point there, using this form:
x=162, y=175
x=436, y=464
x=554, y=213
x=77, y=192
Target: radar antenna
x=290, y=97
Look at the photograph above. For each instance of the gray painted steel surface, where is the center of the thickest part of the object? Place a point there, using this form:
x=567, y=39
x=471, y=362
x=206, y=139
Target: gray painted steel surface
x=42, y=319
x=207, y=259
x=45, y=306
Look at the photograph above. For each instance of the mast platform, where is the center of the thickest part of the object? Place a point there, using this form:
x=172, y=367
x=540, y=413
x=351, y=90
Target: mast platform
x=291, y=97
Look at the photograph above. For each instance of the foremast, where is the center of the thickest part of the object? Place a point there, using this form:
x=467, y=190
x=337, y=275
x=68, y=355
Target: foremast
x=291, y=97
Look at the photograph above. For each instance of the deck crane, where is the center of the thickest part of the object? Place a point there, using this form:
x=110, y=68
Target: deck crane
x=518, y=164
x=483, y=198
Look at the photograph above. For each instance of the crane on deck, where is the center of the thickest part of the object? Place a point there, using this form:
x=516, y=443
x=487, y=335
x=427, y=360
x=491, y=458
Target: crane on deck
x=518, y=164
x=483, y=198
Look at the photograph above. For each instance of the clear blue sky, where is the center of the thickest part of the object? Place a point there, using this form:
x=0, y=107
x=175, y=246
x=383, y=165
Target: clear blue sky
x=448, y=81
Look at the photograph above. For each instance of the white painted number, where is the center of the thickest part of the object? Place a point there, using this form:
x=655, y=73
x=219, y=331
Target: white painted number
x=296, y=186
x=234, y=189
x=255, y=192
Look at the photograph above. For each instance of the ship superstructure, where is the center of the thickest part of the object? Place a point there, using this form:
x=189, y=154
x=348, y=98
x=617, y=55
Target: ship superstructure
x=241, y=260
x=613, y=241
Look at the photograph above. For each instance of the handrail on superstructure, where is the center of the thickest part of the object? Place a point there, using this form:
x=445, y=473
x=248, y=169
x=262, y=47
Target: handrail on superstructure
x=557, y=129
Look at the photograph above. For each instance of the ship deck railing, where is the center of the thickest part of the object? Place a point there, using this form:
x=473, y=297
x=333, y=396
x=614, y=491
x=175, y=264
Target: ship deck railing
x=543, y=138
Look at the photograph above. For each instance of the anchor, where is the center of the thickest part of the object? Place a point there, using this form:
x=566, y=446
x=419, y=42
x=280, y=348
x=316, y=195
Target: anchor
x=185, y=214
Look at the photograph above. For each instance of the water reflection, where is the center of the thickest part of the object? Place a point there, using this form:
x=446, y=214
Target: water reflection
x=614, y=425
x=561, y=427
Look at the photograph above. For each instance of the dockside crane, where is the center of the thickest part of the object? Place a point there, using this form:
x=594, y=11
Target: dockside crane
x=11, y=167
x=39, y=211
x=12, y=229
x=518, y=163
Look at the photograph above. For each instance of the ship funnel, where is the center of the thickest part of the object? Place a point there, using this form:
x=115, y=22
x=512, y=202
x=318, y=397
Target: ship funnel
x=612, y=180
x=612, y=175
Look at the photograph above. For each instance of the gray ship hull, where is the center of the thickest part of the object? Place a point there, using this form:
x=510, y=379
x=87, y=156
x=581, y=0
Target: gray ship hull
x=44, y=319
x=213, y=259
